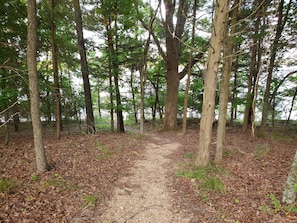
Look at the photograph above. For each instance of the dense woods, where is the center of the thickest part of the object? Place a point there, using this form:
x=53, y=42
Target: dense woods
x=113, y=64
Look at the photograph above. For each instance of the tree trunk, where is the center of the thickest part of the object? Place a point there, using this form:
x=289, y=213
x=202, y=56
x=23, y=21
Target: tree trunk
x=253, y=71
x=255, y=94
x=16, y=116
x=133, y=96
x=99, y=98
x=225, y=83
x=40, y=156
x=170, y=119
x=291, y=109
x=282, y=19
x=184, y=127
x=234, y=94
x=119, y=109
x=143, y=79
x=213, y=61
x=84, y=68
x=56, y=70
x=289, y=194
x=173, y=47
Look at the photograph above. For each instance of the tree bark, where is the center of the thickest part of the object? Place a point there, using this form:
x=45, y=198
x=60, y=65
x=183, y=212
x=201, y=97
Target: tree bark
x=291, y=109
x=40, y=155
x=253, y=71
x=143, y=79
x=282, y=19
x=56, y=70
x=213, y=61
x=119, y=109
x=289, y=194
x=110, y=50
x=184, y=127
x=84, y=68
x=131, y=81
x=225, y=83
x=173, y=47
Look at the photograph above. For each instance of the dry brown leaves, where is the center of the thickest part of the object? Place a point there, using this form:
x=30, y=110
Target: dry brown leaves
x=86, y=168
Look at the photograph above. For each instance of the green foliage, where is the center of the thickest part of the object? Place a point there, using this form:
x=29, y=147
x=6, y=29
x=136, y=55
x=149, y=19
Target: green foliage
x=33, y=177
x=58, y=183
x=90, y=201
x=275, y=202
x=189, y=155
x=106, y=153
x=8, y=185
x=207, y=177
x=266, y=209
x=260, y=151
x=103, y=124
x=277, y=206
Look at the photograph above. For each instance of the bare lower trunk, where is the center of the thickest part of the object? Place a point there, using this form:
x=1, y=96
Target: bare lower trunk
x=213, y=61
x=170, y=120
x=225, y=84
x=84, y=68
x=289, y=194
x=40, y=156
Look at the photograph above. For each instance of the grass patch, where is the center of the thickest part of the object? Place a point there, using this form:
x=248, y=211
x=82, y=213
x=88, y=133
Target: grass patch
x=277, y=206
x=90, y=200
x=189, y=156
x=260, y=151
x=207, y=177
x=106, y=153
x=8, y=185
x=56, y=182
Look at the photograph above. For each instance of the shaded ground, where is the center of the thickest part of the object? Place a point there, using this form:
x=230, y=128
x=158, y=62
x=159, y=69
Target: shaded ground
x=88, y=172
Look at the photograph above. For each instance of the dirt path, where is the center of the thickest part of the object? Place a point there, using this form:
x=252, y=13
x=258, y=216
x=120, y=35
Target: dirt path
x=143, y=195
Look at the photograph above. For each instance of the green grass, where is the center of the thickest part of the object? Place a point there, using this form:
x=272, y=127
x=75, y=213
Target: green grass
x=104, y=152
x=276, y=206
x=260, y=151
x=207, y=177
x=57, y=182
x=189, y=155
x=90, y=200
x=8, y=185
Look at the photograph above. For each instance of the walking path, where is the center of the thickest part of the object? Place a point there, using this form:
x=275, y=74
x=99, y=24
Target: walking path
x=143, y=196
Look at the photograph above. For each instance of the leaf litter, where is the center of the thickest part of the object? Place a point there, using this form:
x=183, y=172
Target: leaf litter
x=88, y=172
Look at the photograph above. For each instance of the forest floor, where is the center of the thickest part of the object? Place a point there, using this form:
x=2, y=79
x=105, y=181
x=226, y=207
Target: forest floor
x=111, y=177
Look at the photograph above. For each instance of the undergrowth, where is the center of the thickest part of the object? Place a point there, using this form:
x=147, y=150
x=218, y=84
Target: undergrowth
x=8, y=185
x=207, y=178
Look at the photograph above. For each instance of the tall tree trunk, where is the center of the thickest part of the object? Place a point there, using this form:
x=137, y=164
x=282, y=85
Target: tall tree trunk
x=289, y=194
x=133, y=96
x=213, y=62
x=234, y=93
x=143, y=79
x=56, y=70
x=99, y=98
x=110, y=74
x=291, y=109
x=40, y=156
x=173, y=47
x=119, y=109
x=255, y=95
x=174, y=28
x=282, y=19
x=184, y=127
x=253, y=71
x=84, y=68
x=16, y=116
x=225, y=83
